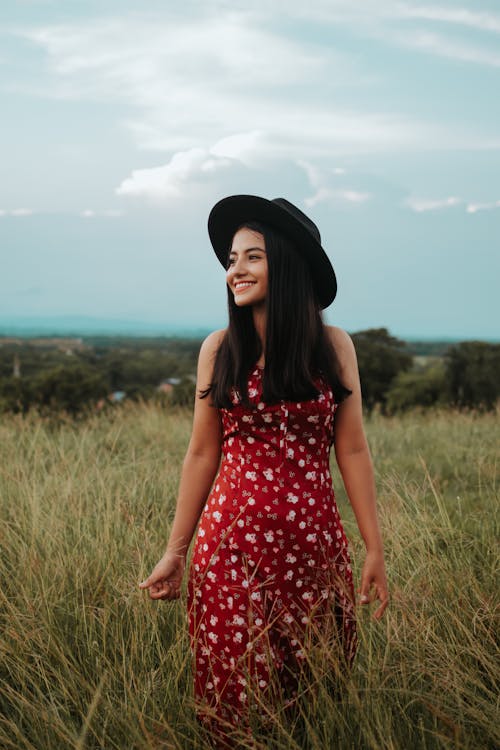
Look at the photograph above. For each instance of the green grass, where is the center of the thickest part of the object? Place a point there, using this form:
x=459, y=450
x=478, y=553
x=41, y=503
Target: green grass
x=87, y=661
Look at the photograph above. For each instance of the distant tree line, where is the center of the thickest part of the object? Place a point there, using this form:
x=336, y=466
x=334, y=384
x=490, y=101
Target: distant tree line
x=463, y=375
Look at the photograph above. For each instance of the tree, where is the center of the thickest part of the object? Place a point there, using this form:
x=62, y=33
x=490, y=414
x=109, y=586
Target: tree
x=418, y=388
x=71, y=388
x=380, y=358
x=472, y=369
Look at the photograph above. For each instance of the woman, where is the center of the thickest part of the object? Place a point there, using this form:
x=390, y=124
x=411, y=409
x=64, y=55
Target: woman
x=270, y=574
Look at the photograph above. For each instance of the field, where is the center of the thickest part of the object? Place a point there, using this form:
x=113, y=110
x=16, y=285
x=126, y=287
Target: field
x=87, y=661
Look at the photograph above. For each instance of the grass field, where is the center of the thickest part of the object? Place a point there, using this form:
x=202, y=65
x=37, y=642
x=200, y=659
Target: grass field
x=87, y=661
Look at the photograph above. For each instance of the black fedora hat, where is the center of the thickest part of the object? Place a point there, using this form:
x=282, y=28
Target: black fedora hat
x=230, y=213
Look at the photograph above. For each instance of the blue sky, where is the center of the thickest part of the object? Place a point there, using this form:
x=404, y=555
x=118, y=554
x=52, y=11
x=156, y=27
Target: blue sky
x=123, y=123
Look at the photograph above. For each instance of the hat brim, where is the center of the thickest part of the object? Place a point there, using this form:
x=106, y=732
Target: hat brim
x=230, y=213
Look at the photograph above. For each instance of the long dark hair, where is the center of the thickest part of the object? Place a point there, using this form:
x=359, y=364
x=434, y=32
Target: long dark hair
x=298, y=348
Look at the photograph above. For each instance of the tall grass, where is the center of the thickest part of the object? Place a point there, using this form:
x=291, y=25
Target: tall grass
x=87, y=661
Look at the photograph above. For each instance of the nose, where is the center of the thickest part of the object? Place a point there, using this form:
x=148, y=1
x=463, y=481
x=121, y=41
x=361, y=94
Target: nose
x=237, y=267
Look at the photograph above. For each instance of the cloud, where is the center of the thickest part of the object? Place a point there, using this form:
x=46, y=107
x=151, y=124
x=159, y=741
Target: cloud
x=325, y=182
x=442, y=46
x=460, y=16
x=326, y=195
x=171, y=179
x=16, y=212
x=420, y=205
x=473, y=208
x=112, y=213
x=388, y=21
x=212, y=78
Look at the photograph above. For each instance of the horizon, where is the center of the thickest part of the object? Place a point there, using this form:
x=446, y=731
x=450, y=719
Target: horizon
x=88, y=326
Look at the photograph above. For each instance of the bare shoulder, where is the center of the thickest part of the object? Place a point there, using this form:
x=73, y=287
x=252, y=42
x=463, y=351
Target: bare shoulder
x=342, y=343
x=211, y=343
x=206, y=358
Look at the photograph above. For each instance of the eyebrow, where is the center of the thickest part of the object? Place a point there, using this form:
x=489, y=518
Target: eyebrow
x=248, y=250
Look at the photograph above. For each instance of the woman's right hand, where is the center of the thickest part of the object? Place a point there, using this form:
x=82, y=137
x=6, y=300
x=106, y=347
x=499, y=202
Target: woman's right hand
x=166, y=577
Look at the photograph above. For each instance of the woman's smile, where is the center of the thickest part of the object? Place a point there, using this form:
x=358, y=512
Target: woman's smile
x=240, y=286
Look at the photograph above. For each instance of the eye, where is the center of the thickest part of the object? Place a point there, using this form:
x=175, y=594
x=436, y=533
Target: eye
x=254, y=257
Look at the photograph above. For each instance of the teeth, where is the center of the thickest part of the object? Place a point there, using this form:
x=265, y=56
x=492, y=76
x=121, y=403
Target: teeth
x=244, y=283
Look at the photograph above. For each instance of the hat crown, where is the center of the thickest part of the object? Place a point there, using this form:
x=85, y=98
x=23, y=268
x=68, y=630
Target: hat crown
x=298, y=216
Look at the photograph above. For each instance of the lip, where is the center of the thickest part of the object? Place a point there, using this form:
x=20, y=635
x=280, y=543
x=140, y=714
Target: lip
x=241, y=286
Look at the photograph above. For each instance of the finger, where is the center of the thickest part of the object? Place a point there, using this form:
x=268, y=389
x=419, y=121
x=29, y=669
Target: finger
x=160, y=593
x=365, y=595
x=165, y=590
x=145, y=584
x=384, y=601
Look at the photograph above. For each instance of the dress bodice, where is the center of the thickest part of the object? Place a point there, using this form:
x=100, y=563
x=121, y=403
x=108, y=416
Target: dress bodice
x=266, y=439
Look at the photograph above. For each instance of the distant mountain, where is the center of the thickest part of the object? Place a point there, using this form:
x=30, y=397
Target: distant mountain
x=82, y=325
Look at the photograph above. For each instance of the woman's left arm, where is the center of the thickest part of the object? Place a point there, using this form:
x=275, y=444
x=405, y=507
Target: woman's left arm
x=355, y=464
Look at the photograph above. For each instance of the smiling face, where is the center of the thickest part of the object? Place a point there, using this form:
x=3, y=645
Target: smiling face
x=247, y=273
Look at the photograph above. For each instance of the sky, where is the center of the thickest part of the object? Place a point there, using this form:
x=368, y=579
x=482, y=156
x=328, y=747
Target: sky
x=122, y=123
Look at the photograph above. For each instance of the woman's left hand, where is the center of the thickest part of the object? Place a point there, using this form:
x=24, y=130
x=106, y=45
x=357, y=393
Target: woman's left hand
x=374, y=583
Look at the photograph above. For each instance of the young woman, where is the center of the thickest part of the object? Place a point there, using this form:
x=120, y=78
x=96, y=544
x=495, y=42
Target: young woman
x=270, y=575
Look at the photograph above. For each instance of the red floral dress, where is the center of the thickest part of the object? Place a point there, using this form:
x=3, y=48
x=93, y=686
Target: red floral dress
x=270, y=569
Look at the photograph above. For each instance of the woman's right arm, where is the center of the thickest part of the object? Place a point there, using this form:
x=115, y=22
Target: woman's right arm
x=198, y=472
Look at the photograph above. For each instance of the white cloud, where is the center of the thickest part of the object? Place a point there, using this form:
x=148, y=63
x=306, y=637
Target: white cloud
x=473, y=208
x=218, y=89
x=388, y=20
x=112, y=213
x=325, y=182
x=327, y=195
x=425, y=204
x=442, y=46
x=16, y=212
x=460, y=16
x=420, y=205
x=171, y=179
x=211, y=79
x=245, y=147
